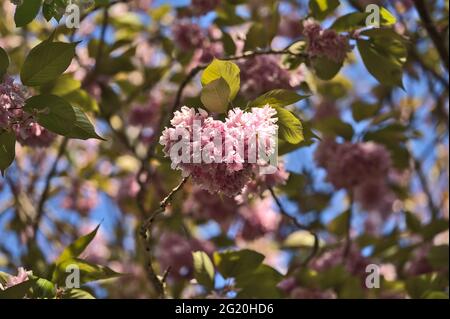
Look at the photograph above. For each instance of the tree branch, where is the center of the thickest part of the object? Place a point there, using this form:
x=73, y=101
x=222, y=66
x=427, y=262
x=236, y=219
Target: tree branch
x=436, y=38
x=294, y=221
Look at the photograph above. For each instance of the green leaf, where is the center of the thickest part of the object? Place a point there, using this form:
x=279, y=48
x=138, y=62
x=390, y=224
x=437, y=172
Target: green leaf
x=52, y=112
x=413, y=222
x=215, y=96
x=290, y=128
x=228, y=44
x=335, y=127
x=4, y=62
x=77, y=294
x=77, y=247
x=350, y=22
x=26, y=12
x=277, y=98
x=18, y=291
x=54, y=9
x=256, y=37
x=203, y=269
x=88, y=271
x=46, y=62
x=325, y=68
x=384, y=48
x=233, y=263
x=435, y=295
x=339, y=224
x=438, y=257
x=362, y=110
x=260, y=282
x=7, y=150
x=320, y=9
x=43, y=288
x=229, y=71
x=421, y=286
x=82, y=127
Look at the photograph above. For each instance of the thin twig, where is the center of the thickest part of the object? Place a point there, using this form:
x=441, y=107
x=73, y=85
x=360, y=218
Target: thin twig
x=348, y=235
x=436, y=38
x=294, y=221
x=47, y=184
x=158, y=284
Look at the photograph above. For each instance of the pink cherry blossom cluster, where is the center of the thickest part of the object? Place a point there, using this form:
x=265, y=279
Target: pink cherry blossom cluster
x=22, y=276
x=355, y=263
x=175, y=251
x=201, y=7
x=352, y=164
x=290, y=26
x=263, y=182
x=261, y=74
x=226, y=169
x=258, y=219
x=360, y=167
x=206, y=43
x=325, y=43
x=14, y=118
x=202, y=205
x=188, y=35
x=294, y=290
x=82, y=198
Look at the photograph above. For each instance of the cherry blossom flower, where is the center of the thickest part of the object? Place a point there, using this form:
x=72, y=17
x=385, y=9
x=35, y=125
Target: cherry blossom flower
x=233, y=170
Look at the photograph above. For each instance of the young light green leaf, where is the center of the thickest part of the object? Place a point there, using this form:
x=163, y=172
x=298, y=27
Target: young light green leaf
x=52, y=112
x=7, y=150
x=277, y=98
x=320, y=9
x=46, y=62
x=43, y=288
x=387, y=18
x=26, y=12
x=215, y=96
x=203, y=269
x=4, y=62
x=299, y=239
x=290, y=128
x=227, y=70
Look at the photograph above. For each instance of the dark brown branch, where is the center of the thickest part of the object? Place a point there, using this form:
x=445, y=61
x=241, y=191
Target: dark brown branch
x=438, y=41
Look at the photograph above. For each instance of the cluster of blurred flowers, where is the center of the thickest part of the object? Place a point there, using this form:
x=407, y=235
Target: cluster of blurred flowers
x=13, y=118
x=325, y=43
x=362, y=168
